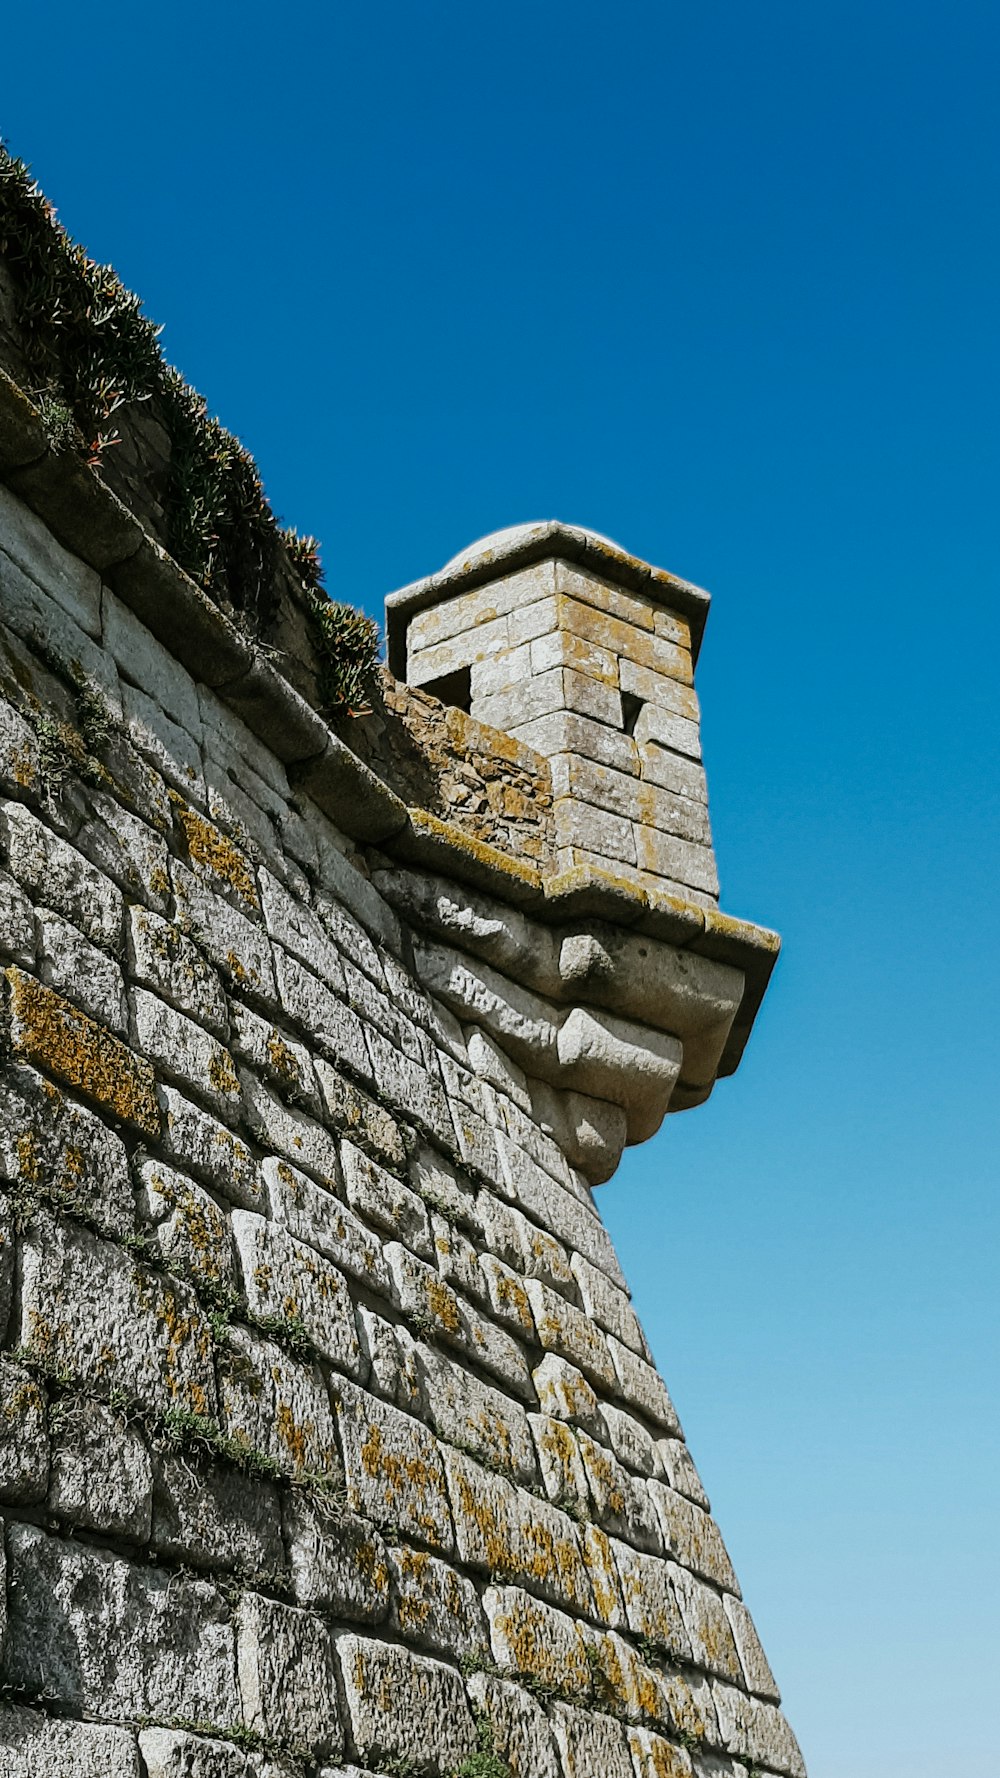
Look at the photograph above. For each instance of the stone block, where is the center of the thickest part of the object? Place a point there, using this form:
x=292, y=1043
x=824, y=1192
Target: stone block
x=287, y=1676
x=564, y=648
x=385, y=1201
x=96, y=1634
x=213, y=1517
x=520, y=1729
x=393, y=1467
x=127, y=850
x=391, y=1355
x=709, y=1631
x=404, y=1706
x=229, y=936
x=17, y=928
x=653, y=1757
x=566, y=732
x=669, y=770
x=197, y=1140
x=499, y=1529
x=277, y=1406
x=651, y=1605
x=73, y=585
x=624, y=624
x=457, y=1259
x=565, y=1393
x=20, y=758
x=184, y=1051
x=191, y=1231
x=680, y=860
x=78, y=971
x=555, y=1209
x=597, y=830
x=101, y=1477
x=754, y=1662
x=436, y=1311
x=279, y=1129
x=286, y=1281
x=334, y=1029
x=143, y=661
x=283, y=1061
x=523, y=1245
x=484, y=640
x=37, y=1746
x=756, y=1732
x=339, y=1563
x=687, y=1708
x=165, y=961
x=410, y=1088
x=315, y=1216
x=565, y=1330
x=59, y=877
x=642, y=1387
x=300, y=931
x=590, y=1742
x=599, y=1559
x=171, y=749
x=49, y=1032
x=174, y=1753
x=676, y=1466
x=471, y=1414
x=88, y=1309
x=535, y=1642
x=354, y=1114
x=24, y=1436
x=665, y=728
x=563, y=1474
x=7, y=1257
x=659, y=688
x=435, y=1606
x=622, y=1505
x=692, y=1537
x=508, y=1298
x=490, y=1063
x=631, y=1443
x=51, y=1145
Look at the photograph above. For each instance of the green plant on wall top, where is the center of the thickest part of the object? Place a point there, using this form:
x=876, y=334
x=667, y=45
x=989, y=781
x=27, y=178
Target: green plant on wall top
x=92, y=355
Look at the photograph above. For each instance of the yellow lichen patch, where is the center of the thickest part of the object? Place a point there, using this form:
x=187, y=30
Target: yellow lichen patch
x=283, y=1059
x=294, y=1435
x=537, y=1655
x=65, y=1042
x=403, y=1481
x=599, y=1562
x=656, y=1758
x=443, y=1305
x=208, y=847
x=511, y=1294
x=222, y=1074
x=29, y=1161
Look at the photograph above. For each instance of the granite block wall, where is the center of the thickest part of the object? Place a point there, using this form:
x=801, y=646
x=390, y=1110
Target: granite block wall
x=329, y=1439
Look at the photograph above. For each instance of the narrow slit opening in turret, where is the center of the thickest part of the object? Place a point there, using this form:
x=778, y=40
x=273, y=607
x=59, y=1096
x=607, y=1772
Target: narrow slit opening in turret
x=631, y=706
x=452, y=688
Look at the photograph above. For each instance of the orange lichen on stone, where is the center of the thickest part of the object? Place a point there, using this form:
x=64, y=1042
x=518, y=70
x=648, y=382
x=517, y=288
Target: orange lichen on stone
x=209, y=847
x=443, y=1305
x=535, y=1654
x=53, y=1034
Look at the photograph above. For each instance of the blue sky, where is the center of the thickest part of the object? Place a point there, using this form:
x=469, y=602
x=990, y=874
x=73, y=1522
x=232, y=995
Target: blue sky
x=722, y=282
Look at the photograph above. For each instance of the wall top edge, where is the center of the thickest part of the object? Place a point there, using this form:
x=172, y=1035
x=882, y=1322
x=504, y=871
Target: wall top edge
x=520, y=547
x=89, y=519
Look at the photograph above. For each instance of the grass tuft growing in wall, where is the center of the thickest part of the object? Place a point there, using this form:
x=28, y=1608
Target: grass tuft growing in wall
x=92, y=355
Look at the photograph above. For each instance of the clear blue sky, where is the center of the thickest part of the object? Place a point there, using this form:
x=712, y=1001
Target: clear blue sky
x=721, y=281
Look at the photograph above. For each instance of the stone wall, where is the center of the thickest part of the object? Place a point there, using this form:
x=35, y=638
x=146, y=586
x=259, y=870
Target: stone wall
x=329, y=1439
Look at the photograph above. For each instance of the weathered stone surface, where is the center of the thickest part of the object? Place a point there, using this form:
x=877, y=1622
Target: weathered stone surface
x=321, y=1220
x=51, y=1145
x=565, y=1394
x=185, y=1052
x=677, y=1467
x=285, y=1280
x=520, y=1729
x=278, y=1406
x=392, y=1357
x=24, y=1436
x=565, y=1330
x=76, y=969
x=339, y=1563
x=708, y=1627
x=633, y=1065
x=130, y=852
x=234, y=942
x=334, y=1029
x=692, y=1537
x=192, y=1233
x=17, y=931
x=477, y=1418
x=101, y=1476
x=212, y=1517
x=606, y=1304
x=53, y=1035
x=622, y=1504
x=651, y=1603
x=59, y=877
x=630, y=1441
x=499, y=1529
x=437, y=1312
x=554, y=1208
x=174, y=1753
x=384, y=1200
x=96, y=1634
x=352, y=1112
x=37, y=1746
x=7, y=1238
x=642, y=1387
x=280, y=1129
x=523, y=1245
x=536, y=1642
x=87, y=1309
x=753, y=1660
x=589, y=1742
x=559, y=1459
x=435, y=1606
x=165, y=961
x=284, y=1062
x=508, y=1298
x=756, y=1732
x=409, y=1087
x=300, y=931
x=401, y=1705
x=287, y=1676
x=197, y=1140
x=393, y=1467
x=653, y=1757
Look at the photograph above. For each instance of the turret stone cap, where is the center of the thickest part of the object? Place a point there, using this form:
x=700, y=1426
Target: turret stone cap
x=519, y=546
